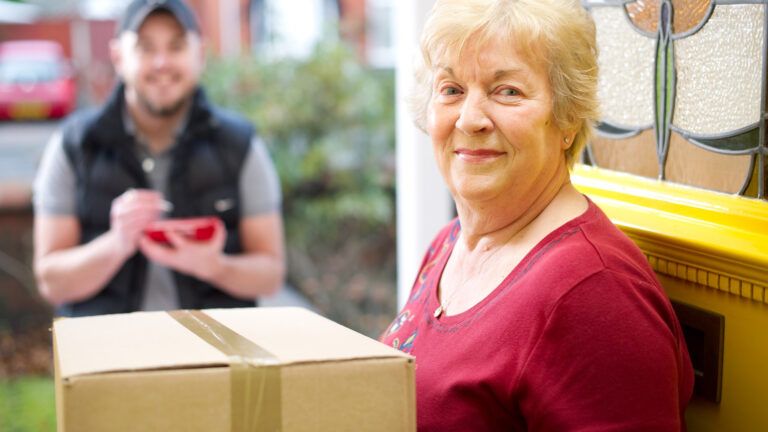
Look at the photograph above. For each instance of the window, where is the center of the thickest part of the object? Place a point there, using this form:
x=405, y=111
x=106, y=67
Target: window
x=682, y=92
x=380, y=43
x=283, y=29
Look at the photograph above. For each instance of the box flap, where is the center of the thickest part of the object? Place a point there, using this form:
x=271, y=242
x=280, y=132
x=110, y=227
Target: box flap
x=142, y=340
x=155, y=340
x=296, y=335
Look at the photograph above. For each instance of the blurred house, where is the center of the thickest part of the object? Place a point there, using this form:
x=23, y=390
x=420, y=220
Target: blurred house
x=273, y=28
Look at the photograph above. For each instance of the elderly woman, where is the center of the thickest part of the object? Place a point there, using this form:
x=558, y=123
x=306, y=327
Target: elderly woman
x=531, y=311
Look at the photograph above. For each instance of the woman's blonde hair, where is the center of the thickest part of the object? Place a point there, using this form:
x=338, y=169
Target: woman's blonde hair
x=557, y=33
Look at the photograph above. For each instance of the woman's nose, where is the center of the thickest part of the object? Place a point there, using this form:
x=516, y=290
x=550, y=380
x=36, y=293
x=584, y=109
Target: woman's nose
x=473, y=119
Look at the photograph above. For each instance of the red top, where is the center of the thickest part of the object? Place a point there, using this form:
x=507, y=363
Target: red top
x=579, y=337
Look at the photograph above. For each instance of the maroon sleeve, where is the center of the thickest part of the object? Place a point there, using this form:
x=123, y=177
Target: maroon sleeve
x=608, y=359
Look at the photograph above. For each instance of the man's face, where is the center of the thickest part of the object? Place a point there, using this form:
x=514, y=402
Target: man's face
x=160, y=64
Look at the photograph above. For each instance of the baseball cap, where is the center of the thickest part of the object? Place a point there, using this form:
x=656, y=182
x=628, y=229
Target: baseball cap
x=138, y=10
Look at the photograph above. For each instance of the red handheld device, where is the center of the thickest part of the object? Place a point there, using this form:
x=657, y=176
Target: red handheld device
x=199, y=228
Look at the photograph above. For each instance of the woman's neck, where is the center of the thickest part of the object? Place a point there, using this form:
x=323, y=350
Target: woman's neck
x=490, y=225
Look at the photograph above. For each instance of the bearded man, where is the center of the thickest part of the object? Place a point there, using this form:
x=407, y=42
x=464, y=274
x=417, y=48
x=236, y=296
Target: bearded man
x=156, y=149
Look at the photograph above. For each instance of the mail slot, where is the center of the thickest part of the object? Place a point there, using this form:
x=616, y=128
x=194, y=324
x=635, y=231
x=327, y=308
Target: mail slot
x=703, y=332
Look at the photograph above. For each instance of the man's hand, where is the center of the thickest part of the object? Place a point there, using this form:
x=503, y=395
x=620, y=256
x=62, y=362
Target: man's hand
x=130, y=214
x=68, y=271
x=200, y=259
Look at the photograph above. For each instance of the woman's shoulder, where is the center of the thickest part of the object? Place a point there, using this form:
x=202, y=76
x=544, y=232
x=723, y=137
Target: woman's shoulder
x=615, y=250
x=585, y=246
x=588, y=279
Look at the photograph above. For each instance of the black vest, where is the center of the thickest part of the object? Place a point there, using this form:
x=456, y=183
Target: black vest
x=205, y=170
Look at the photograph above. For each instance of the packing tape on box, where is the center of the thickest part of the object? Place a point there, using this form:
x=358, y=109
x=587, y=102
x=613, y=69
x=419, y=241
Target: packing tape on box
x=256, y=392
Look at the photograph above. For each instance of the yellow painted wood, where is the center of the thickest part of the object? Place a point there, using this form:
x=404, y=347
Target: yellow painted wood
x=745, y=353
x=711, y=234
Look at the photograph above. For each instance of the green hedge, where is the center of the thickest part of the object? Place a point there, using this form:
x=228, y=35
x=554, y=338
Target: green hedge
x=329, y=125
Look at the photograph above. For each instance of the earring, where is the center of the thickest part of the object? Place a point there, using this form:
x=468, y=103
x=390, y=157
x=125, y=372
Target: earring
x=566, y=139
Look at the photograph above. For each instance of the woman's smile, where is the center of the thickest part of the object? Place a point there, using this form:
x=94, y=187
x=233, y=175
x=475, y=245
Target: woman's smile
x=478, y=156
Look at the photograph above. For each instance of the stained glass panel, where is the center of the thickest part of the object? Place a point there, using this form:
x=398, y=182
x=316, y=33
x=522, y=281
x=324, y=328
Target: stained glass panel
x=694, y=166
x=686, y=163
x=687, y=14
x=681, y=88
x=752, y=189
x=636, y=155
x=741, y=142
x=719, y=72
x=626, y=70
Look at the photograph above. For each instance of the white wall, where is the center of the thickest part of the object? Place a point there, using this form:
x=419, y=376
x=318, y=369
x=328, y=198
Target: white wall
x=423, y=202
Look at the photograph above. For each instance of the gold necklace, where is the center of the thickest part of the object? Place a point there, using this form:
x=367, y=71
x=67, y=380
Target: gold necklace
x=442, y=307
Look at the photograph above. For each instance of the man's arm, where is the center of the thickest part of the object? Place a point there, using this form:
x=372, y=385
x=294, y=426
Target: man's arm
x=258, y=271
x=68, y=272
x=65, y=271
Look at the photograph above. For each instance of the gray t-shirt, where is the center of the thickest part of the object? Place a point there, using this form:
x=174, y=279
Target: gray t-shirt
x=55, y=194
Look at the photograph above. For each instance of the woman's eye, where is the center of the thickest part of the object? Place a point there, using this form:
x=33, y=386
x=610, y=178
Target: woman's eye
x=449, y=91
x=509, y=92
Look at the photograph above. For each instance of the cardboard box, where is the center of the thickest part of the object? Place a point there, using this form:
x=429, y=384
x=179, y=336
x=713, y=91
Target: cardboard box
x=265, y=369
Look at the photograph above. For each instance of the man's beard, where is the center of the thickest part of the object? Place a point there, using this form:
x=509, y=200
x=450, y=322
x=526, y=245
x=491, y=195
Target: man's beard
x=163, y=111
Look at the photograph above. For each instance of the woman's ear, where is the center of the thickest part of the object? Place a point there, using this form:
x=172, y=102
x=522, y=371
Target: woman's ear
x=568, y=140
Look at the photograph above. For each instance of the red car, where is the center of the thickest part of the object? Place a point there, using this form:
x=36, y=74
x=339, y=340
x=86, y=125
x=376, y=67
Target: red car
x=36, y=81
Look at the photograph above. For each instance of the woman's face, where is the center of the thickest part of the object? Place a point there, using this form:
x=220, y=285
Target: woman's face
x=491, y=124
